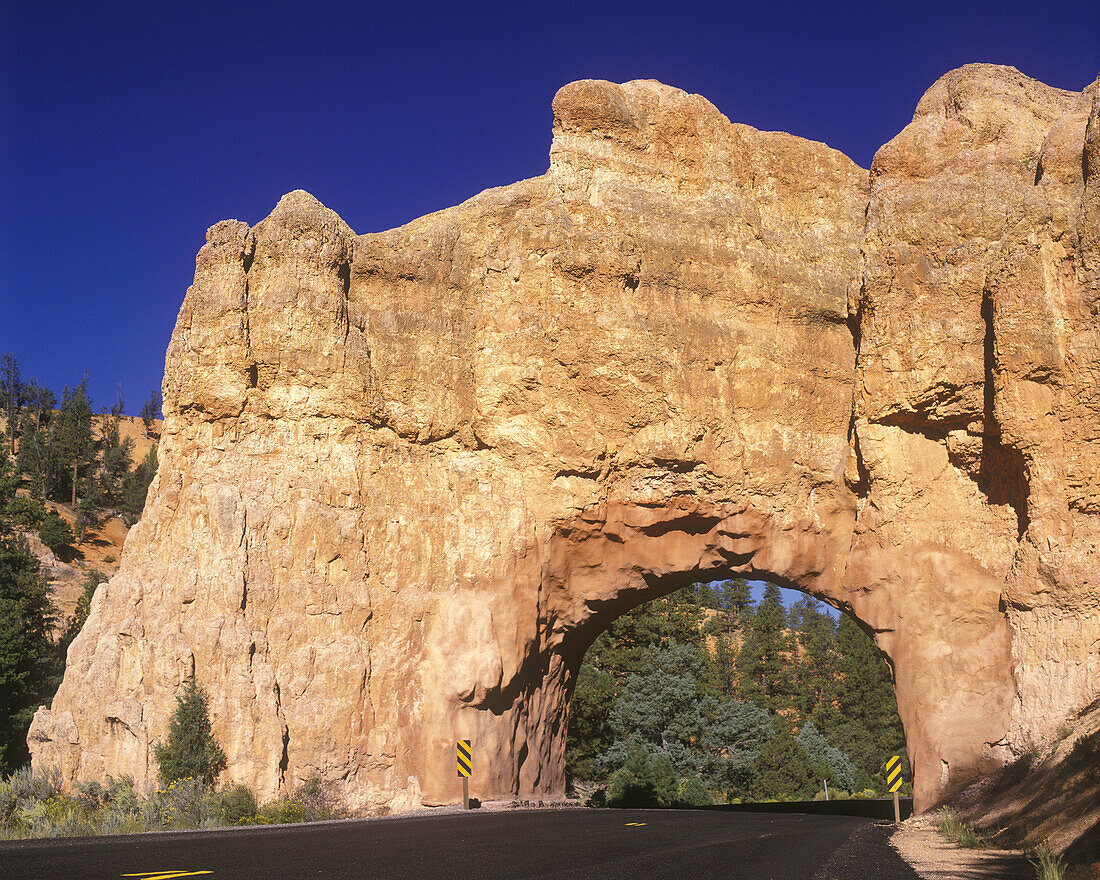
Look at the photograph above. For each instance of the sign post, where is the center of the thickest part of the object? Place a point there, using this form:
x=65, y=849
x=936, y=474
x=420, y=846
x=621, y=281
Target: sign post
x=893, y=783
x=465, y=764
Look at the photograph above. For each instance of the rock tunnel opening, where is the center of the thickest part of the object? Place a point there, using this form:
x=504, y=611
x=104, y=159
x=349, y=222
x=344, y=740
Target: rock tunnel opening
x=730, y=689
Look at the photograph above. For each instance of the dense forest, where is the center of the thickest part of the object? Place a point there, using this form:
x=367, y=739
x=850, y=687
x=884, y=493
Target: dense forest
x=705, y=696
x=55, y=454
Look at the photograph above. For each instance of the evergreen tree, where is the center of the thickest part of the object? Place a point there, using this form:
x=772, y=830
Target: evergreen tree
x=87, y=517
x=667, y=708
x=118, y=409
x=624, y=648
x=864, y=722
x=150, y=411
x=36, y=453
x=816, y=673
x=26, y=513
x=650, y=683
x=191, y=750
x=645, y=779
x=733, y=602
x=114, y=468
x=734, y=736
x=738, y=600
x=92, y=580
x=590, y=733
x=40, y=401
x=11, y=396
x=783, y=769
x=55, y=533
x=764, y=663
x=32, y=456
x=135, y=486
x=29, y=668
x=115, y=457
x=628, y=647
x=74, y=442
x=725, y=663
x=831, y=763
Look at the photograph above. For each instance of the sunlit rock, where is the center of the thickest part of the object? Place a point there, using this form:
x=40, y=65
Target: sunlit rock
x=406, y=478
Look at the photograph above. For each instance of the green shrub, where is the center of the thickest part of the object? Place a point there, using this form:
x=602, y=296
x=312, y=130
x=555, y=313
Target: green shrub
x=692, y=793
x=784, y=771
x=32, y=804
x=191, y=751
x=121, y=811
x=237, y=805
x=644, y=780
x=56, y=534
x=183, y=803
x=26, y=787
x=284, y=811
x=58, y=816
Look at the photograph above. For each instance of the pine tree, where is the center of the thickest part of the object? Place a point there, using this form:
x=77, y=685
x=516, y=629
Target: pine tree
x=29, y=668
x=87, y=517
x=864, y=722
x=135, y=486
x=831, y=763
x=150, y=411
x=631, y=645
x=738, y=601
x=75, y=442
x=56, y=534
x=590, y=732
x=725, y=664
x=764, y=663
x=783, y=769
x=191, y=750
x=667, y=708
x=36, y=452
x=114, y=467
x=816, y=673
x=11, y=395
x=92, y=580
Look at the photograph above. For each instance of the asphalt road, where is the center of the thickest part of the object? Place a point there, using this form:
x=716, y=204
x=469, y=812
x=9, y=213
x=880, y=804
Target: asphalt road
x=558, y=844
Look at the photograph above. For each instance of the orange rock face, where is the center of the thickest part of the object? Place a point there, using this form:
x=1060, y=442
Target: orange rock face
x=406, y=478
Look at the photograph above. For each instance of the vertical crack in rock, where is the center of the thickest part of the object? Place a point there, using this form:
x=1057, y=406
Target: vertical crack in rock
x=1002, y=474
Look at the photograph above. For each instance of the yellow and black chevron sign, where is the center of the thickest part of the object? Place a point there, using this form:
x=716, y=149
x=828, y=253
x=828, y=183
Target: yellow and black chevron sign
x=465, y=759
x=893, y=773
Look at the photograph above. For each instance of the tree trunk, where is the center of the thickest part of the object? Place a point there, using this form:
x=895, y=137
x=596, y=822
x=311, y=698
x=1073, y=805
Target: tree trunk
x=74, y=486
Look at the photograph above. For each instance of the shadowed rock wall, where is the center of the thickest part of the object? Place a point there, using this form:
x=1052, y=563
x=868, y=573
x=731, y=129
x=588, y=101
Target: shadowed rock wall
x=406, y=478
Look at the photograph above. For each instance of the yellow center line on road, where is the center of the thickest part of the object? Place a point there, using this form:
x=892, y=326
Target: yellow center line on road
x=635, y=824
x=165, y=875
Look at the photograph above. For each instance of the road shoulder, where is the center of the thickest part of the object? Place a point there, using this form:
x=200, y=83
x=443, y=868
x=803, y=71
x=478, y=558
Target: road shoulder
x=920, y=844
x=867, y=853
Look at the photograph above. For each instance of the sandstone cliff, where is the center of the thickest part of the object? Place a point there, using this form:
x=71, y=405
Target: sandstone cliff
x=407, y=477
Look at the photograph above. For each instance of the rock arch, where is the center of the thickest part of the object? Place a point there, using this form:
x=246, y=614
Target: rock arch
x=405, y=476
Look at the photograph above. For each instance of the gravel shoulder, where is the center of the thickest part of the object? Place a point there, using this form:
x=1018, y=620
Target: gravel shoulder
x=918, y=841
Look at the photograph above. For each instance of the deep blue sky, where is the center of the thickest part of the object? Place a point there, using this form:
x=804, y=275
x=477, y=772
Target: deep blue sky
x=127, y=129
